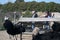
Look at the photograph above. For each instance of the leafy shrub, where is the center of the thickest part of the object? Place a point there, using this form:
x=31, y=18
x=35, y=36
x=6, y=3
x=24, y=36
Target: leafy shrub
x=27, y=14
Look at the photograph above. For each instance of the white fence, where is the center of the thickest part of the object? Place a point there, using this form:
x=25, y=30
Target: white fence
x=37, y=19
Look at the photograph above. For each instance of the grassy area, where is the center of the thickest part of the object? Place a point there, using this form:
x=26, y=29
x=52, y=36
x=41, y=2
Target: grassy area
x=1, y=25
x=2, y=28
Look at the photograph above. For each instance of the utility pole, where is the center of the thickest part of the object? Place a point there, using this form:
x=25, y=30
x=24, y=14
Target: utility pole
x=14, y=17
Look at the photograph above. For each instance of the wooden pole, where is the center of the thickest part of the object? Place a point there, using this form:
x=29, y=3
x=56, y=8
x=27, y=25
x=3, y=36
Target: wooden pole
x=21, y=36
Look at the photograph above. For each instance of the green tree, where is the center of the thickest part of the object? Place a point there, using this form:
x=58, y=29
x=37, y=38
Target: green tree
x=19, y=1
x=0, y=6
x=23, y=6
x=27, y=14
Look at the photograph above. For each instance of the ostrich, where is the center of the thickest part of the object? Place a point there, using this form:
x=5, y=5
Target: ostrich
x=51, y=35
x=13, y=29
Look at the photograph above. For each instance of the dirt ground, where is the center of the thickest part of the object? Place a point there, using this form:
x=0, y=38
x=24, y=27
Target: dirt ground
x=5, y=36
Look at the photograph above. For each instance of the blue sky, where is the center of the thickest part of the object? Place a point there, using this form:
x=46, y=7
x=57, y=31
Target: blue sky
x=5, y=1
